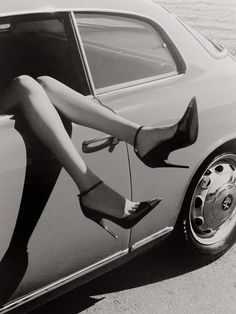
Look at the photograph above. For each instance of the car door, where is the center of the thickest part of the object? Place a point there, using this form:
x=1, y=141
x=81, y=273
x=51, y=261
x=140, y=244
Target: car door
x=140, y=75
x=45, y=240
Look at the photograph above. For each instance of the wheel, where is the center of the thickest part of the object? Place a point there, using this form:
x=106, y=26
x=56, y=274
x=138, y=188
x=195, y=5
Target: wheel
x=208, y=216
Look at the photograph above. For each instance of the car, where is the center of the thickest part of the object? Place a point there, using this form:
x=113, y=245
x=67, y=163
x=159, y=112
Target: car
x=145, y=64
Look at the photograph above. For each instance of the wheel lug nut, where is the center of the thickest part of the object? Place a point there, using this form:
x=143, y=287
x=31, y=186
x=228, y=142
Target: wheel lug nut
x=219, y=169
x=199, y=221
x=198, y=202
x=207, y=173
x=206, y=181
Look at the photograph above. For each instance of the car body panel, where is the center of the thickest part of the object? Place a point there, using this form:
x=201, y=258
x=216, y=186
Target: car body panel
x=166, y=108
x=62, y=235
x=212, y=134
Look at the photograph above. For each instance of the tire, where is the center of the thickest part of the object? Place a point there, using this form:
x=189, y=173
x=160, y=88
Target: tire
x=207, y=221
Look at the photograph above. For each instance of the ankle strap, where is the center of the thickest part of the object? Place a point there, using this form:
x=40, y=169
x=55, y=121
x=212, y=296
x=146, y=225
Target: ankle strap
x=135, y=137
x=90, y=189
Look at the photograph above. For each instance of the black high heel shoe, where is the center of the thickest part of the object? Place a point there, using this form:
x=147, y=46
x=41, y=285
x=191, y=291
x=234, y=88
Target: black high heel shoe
x=185, y=135
x=128, y=222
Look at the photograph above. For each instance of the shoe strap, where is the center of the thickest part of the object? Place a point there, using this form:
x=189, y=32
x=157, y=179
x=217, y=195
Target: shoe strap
x=136, y=136
x=90, y=189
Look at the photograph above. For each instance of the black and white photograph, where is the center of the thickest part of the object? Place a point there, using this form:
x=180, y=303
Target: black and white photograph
x=118, y=156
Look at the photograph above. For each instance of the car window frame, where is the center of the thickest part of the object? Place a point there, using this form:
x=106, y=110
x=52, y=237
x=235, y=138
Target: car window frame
x=173, y=50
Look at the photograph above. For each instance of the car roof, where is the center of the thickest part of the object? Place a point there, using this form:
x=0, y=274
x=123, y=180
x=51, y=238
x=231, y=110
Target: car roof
x=13, y=7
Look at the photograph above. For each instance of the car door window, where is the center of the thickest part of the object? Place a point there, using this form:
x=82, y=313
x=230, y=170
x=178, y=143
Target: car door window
x=40, y=47
x=123, y=50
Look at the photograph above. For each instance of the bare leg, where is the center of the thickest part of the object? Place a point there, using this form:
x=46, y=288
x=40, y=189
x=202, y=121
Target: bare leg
x=83, y=111
x=28, y=96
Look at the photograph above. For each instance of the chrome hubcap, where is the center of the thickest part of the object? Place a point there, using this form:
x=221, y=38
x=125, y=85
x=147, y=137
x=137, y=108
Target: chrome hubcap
x=213, y=206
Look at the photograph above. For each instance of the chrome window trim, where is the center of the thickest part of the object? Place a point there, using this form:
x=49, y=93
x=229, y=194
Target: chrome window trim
x=82, y=54
x=174, y=51
x=153, y=80
x=111, y=88
x=37, y=293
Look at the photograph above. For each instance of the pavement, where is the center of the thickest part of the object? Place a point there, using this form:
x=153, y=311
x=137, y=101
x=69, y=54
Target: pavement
x=163, y=281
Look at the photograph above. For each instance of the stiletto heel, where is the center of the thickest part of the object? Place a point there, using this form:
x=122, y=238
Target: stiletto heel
x=105, y=227
x=127, y=222
x=185, y=135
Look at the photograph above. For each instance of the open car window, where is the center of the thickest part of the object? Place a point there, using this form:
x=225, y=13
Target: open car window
x=123, y=50
x=38, y=47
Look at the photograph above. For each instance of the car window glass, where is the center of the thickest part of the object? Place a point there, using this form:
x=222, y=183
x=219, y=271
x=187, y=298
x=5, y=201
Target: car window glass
x=121, y=50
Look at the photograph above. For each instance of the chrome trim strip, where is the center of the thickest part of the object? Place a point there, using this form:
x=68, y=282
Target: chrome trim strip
x=151, y=238
x=151, y=79
x=61, y=282
x=83, y=54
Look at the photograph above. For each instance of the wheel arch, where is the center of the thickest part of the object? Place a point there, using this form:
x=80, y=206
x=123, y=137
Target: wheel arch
x=227, y=147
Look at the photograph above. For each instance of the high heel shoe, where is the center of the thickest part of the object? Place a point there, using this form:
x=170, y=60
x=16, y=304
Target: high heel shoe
x=127, y=222
x=185, y=135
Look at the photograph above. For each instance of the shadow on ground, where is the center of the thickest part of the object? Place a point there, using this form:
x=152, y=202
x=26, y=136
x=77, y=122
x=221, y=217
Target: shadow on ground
x=167, y=261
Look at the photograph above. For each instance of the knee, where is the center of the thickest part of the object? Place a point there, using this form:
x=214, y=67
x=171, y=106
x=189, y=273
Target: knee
x=26, y=85
x=46, y=82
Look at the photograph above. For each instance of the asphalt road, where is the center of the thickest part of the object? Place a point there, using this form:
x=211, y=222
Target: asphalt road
x=163, y=281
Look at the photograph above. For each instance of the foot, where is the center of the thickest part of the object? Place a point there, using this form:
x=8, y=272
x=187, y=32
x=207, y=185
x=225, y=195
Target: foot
x=147, y=138
x=150, y=137
x=108, y=201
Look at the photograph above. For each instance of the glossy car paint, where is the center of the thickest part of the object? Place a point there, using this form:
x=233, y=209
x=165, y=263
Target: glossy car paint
x=64, y=242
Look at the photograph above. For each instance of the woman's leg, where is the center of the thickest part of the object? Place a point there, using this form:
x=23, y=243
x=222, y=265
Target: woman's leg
x=81, y=110
x=30, y=98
